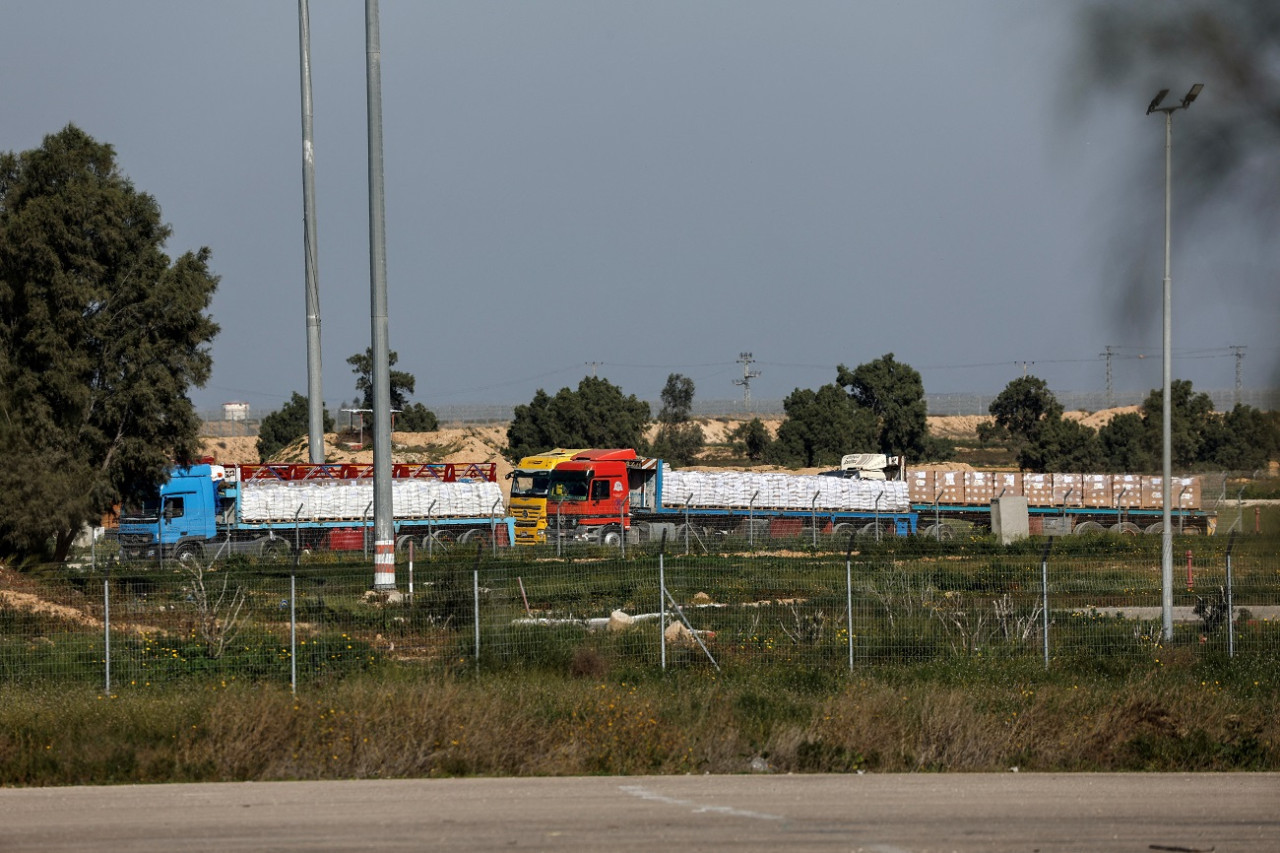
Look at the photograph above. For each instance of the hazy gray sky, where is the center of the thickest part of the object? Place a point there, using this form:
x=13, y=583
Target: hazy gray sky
x=645, y=188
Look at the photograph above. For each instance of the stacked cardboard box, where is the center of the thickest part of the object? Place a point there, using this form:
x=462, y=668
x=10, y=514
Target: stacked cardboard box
x=1068, y=489
x=1038, y=489
x=920, y=484
x=1104, y=491
x=1098, y=490
x=979, y=486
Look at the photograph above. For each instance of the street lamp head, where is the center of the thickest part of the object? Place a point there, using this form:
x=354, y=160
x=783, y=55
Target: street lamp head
x=1191, y=96
x=1155, y=102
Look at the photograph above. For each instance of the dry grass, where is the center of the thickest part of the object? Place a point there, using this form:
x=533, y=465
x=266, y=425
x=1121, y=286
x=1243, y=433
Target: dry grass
x=693, y=722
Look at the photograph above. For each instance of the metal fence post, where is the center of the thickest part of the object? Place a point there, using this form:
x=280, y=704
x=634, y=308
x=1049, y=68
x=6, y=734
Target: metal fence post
x=848, y=586
x=493, y=525
x=1231, y=611
x=364, y=530
x=686, y=523
x=431, y=531
x=813, y=517
x=937, y=517
x=622, y=528
x=662, y=599
x=106, y=629
x=293, y=633
x=475, y=588
x=559, y=524
x=1044, y=596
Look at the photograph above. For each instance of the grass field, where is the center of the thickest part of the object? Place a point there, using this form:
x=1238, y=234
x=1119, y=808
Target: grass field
x=947, y=670
x=1186, y=714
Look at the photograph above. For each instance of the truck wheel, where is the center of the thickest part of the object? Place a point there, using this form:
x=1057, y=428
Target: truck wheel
x=886, y=530
x=188, y=553
x=275, y=551
x=842, y=531
x=611, y=536
x=470, y=537
x=941, y=532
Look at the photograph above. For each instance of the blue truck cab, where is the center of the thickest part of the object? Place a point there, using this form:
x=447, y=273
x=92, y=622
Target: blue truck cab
x=179, y=519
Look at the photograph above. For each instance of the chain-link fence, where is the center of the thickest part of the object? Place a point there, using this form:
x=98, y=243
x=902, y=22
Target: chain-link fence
x=731, y=605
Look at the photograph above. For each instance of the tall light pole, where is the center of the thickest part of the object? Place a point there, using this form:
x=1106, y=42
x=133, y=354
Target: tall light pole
x=1166, y=497
x=384, y=534
x=315, y=396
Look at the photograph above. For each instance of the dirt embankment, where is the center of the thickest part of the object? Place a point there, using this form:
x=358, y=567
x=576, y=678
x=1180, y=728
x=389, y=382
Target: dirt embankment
x=485, y=442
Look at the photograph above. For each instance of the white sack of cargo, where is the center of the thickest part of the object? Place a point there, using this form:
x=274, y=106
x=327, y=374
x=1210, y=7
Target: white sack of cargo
x=748, y=489
x=353, y=500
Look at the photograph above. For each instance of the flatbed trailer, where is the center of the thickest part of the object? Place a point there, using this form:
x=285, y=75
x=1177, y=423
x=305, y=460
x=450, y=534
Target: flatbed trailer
x=208, y=511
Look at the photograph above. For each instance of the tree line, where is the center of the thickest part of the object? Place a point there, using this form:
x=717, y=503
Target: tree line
x=1029, y=418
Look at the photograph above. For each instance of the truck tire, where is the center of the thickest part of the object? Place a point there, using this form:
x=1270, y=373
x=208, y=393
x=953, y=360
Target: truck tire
x=188, y=552
x=611, y=536
x=941, y=531
x=275, y=551
x=886, y=530
x=474, y=535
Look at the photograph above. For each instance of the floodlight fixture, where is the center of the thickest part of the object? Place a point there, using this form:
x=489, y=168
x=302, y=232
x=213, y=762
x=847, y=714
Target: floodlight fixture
x=1191, y=96
x=1155, y=102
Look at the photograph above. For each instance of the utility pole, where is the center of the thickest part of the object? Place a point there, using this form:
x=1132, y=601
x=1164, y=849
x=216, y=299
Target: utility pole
x=593, y=365
x=1111, y=397
x=745, y=359
x=1239, y=352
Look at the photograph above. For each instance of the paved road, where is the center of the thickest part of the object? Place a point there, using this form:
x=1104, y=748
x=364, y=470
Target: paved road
x=1181, y=613
x=1022, y=812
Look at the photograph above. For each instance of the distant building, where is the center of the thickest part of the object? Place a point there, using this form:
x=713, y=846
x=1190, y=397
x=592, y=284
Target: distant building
x=235, y=411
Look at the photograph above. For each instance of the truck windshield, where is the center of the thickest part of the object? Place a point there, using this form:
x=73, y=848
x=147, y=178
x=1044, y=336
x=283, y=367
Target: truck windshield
x=567, y=487
x=146, y=511
x=529, y=484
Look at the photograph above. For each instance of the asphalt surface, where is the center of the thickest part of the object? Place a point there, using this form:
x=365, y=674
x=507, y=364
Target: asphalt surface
x=1022, y=812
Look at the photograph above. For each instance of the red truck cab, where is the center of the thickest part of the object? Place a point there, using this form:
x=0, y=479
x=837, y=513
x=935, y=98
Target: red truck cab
x=589, y=497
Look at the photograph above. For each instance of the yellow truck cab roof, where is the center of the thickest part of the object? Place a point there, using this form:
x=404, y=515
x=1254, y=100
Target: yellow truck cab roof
x=547, y=461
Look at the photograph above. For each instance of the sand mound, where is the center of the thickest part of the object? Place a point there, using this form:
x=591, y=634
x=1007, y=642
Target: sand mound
x=485, y=442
